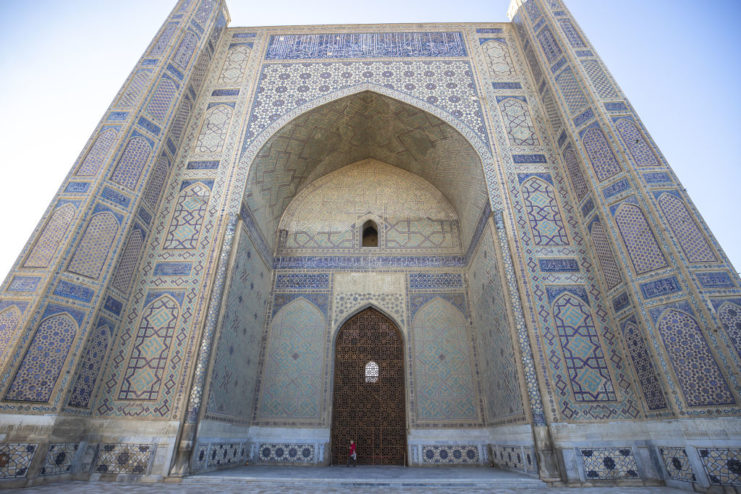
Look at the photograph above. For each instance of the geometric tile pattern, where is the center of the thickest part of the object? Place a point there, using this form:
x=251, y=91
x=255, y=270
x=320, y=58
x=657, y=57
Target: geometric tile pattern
x=500, y=61
x=639, y=239
x=132, y=161
x=181, y=118
x=636, y=143
x=543, y=212
x=125, y=458
x=571, y=34
x=588, y=373
x=214, y=130
x=129, y=261
x=498, y=367
x=59, y=459
x=50, y=237
x=144, y=372
x=729, y=314
x=43, y=362
x=90, y=367
x=605, y=256
x=443, y=364
x=235, y=63
x=677, y=464
x=599, y=79
x=286, y=453
x=643, y=365
x=136, y=86
x=188, y=217
x=688, y=235
x=185, y=50
x=159, y=104
x=517, y=121
x=97, y=153
x=92, y=251
x=15, y=459
x=549, y=44
x=366, y=45
x=291, y=387
x=450, y=454
x=609, y=463
x=163, y=40
x=204, y=10
x=235, y=369
x=10, y=318
x=698, y=374
x=157, y=179
x=571, y=92
x=575, y=174
x=723, y=466
x=603, y=160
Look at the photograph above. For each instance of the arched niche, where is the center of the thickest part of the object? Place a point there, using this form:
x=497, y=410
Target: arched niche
x=364, y=125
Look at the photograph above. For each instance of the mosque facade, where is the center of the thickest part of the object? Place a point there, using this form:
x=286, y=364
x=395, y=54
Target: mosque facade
x=456, y=244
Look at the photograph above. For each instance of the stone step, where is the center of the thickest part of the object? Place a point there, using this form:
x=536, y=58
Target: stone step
x=392, y=477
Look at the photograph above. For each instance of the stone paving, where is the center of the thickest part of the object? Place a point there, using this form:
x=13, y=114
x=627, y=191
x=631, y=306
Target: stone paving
x=363, y=479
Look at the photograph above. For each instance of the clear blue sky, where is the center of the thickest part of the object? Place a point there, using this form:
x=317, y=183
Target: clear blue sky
x=63, y=61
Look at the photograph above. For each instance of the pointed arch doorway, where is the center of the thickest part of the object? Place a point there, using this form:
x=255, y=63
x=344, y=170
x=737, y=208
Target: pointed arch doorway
x=369, y=397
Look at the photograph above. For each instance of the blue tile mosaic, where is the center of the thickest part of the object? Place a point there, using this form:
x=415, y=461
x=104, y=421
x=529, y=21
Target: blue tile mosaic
x=203, y=165
x=116, y=197
x=614, y=189
x=621, y=302
x=366, y=45
x=146, y=124
x=657, y=178
x=172, y=268
x=659, y=288
x=24, y=283
x=425, y=281
x=529, y=158
x=715, y=279
x=225, y=92
x=302, y=281
x=77, y=187
x=584, y=118
x=558, y=265
x=506, y=85
x=113, y=306
x=620, y=106
x=73, y=291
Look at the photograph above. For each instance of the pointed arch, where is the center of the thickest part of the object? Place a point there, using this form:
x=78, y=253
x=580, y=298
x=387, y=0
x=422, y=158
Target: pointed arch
x=97, y=153
x=90, y=367
x=10, y=319
x=269, y=187
x=582, y=350
x=697, y=372
x=214, y=129
x=142, y=378
x=292, y=380
x=50, y=237
x=442, y=358
x=93, y=250
x=688, y=235
x=161, y=100
x=43, y=362
x=639, y=238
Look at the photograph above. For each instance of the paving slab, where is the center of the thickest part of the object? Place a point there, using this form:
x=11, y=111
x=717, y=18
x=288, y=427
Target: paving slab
x=336, y=480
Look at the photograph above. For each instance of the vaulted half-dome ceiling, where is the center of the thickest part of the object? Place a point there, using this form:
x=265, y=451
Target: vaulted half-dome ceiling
x=357, y=127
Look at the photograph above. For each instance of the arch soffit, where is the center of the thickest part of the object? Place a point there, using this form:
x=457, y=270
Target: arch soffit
x=368, y=305
x=479, y=149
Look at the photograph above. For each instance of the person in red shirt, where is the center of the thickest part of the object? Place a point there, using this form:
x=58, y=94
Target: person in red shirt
x=353, y=457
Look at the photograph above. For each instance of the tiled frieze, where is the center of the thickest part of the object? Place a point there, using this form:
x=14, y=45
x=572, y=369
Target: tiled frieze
x=722, y=465
x=450, y=455
x=609, y=463
x=59, y=459
x=16, y=459
x=677, y=464
x=125, y=458
x=286, y=453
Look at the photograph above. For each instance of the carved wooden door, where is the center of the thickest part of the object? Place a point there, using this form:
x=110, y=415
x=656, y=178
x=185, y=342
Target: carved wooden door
x=368, y=404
